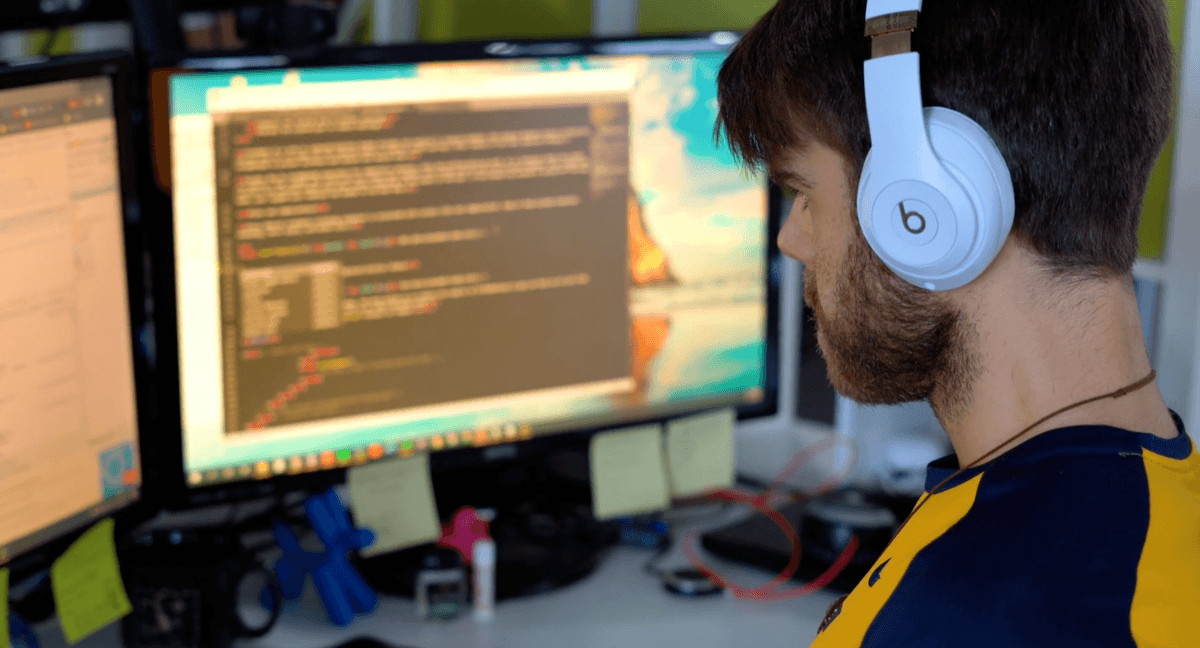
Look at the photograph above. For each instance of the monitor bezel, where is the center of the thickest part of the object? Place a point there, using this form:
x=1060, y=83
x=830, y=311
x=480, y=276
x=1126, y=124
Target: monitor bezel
x=177, y=492
x=118, y=67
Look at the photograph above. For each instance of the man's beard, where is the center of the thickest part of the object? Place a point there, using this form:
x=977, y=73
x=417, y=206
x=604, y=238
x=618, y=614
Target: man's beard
x=892, y=342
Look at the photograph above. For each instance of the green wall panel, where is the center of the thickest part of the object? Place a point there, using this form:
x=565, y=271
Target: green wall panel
x=1152, y=236
x=464, y=20
x=686, y=16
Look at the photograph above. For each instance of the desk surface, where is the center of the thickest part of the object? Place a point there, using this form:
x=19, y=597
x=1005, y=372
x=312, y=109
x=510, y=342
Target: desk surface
x=620, y=606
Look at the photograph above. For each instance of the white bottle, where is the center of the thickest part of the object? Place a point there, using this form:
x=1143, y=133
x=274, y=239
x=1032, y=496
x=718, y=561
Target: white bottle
x=483, y=570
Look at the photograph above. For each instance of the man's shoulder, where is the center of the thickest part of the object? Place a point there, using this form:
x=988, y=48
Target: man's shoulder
x=1070, y=476
x=1087, y=479
x=1070, y=516
x=1052, y=549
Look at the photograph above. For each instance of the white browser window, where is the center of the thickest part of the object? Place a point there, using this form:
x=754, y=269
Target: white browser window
x=68, y=424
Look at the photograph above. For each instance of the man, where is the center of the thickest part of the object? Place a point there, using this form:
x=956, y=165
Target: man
x=1076, y=521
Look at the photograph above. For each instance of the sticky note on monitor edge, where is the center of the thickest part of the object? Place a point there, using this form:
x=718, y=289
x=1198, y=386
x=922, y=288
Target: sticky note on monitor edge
x=700, y=452
x=394, y=498
x=628, y=472
x=86, y=582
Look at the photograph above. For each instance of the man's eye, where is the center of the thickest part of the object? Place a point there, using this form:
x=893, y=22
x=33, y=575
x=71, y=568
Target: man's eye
x=792, y=195
x=796, y=197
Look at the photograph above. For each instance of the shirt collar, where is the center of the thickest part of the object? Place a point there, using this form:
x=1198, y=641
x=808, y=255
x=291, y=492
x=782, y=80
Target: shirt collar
x=1074, y=440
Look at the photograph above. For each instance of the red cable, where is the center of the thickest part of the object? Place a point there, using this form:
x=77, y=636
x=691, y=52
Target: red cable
x=776, y=517
x=822, y=580
x=769, y=591
x=800, y=458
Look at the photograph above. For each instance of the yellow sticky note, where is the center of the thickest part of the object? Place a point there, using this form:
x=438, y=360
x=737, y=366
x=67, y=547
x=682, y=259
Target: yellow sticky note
x=4, y=643
x=394, y=499
x=628, y=474
x=86, y=582
x=700, y=452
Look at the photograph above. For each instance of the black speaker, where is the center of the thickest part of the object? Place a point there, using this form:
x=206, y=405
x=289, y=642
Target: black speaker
x=286, y=25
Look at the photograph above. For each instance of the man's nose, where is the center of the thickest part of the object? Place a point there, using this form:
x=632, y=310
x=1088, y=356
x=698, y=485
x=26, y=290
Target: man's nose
x=795, y=239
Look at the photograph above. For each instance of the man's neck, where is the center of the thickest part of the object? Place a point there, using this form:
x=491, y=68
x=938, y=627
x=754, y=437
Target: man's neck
x=1041, y=348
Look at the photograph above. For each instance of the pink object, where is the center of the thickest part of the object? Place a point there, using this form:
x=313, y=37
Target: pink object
x=463, y=532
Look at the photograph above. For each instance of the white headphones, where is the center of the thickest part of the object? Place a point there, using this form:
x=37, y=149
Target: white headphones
x=935, y=200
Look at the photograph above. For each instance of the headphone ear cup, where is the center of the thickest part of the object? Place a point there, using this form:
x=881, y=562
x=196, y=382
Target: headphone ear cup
x=972, y=157
x=975, y=211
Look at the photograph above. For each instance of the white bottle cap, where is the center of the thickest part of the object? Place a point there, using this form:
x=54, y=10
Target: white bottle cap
x=483, y=552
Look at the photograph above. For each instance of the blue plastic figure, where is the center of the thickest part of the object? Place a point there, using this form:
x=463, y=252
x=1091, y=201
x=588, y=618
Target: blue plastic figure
x=342, y=589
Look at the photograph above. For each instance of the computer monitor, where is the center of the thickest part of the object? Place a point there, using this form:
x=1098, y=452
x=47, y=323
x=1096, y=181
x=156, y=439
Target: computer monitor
x=381, y=252
x=69, y=406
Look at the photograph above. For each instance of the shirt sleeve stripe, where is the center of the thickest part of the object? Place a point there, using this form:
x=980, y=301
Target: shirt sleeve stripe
x=937, y=516
x=1168, y=577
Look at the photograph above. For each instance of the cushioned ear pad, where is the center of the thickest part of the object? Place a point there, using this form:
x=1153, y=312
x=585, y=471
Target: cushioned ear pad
x=962, y=214
x=971, y=156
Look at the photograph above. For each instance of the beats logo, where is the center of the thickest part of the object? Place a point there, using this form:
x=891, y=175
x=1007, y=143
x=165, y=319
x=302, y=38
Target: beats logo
x=913, y=221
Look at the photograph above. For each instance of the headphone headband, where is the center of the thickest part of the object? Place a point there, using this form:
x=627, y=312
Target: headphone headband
x=877, y=8
x=895, y=111
x=892, y=33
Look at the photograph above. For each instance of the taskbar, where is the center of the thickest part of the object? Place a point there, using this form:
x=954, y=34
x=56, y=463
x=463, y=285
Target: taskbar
x=345, y=457
x=480, y=437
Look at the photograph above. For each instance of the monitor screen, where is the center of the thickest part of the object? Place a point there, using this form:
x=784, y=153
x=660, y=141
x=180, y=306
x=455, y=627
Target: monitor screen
x=396, y=258
x=68, y=412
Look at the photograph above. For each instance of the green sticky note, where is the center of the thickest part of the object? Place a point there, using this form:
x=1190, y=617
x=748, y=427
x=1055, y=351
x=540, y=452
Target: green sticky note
x=700, y=453
x=4, y=643
x=628, y=473
x=86, y=583
x=394, y=498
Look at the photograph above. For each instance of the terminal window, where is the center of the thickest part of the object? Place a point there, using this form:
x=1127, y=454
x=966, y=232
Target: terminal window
x=387, y=256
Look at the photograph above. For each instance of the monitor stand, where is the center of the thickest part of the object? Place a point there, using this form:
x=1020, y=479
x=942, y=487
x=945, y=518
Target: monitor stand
x=546, y=537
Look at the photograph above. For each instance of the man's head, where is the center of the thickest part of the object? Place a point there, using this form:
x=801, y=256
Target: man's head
x=1075, y=94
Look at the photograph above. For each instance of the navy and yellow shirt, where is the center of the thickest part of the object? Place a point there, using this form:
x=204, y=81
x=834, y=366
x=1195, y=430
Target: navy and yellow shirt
x=1081, y=536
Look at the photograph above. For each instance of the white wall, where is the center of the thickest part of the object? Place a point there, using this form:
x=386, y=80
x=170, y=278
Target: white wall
x=1177, y=345
x=395, y=21
x=613, y=18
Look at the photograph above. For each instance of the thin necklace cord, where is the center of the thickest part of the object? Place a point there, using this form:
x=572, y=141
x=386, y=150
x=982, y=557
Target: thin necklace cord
x=1128, y=389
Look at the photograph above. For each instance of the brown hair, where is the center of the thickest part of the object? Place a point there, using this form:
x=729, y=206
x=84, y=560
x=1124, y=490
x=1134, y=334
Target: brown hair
x=1076, y=93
